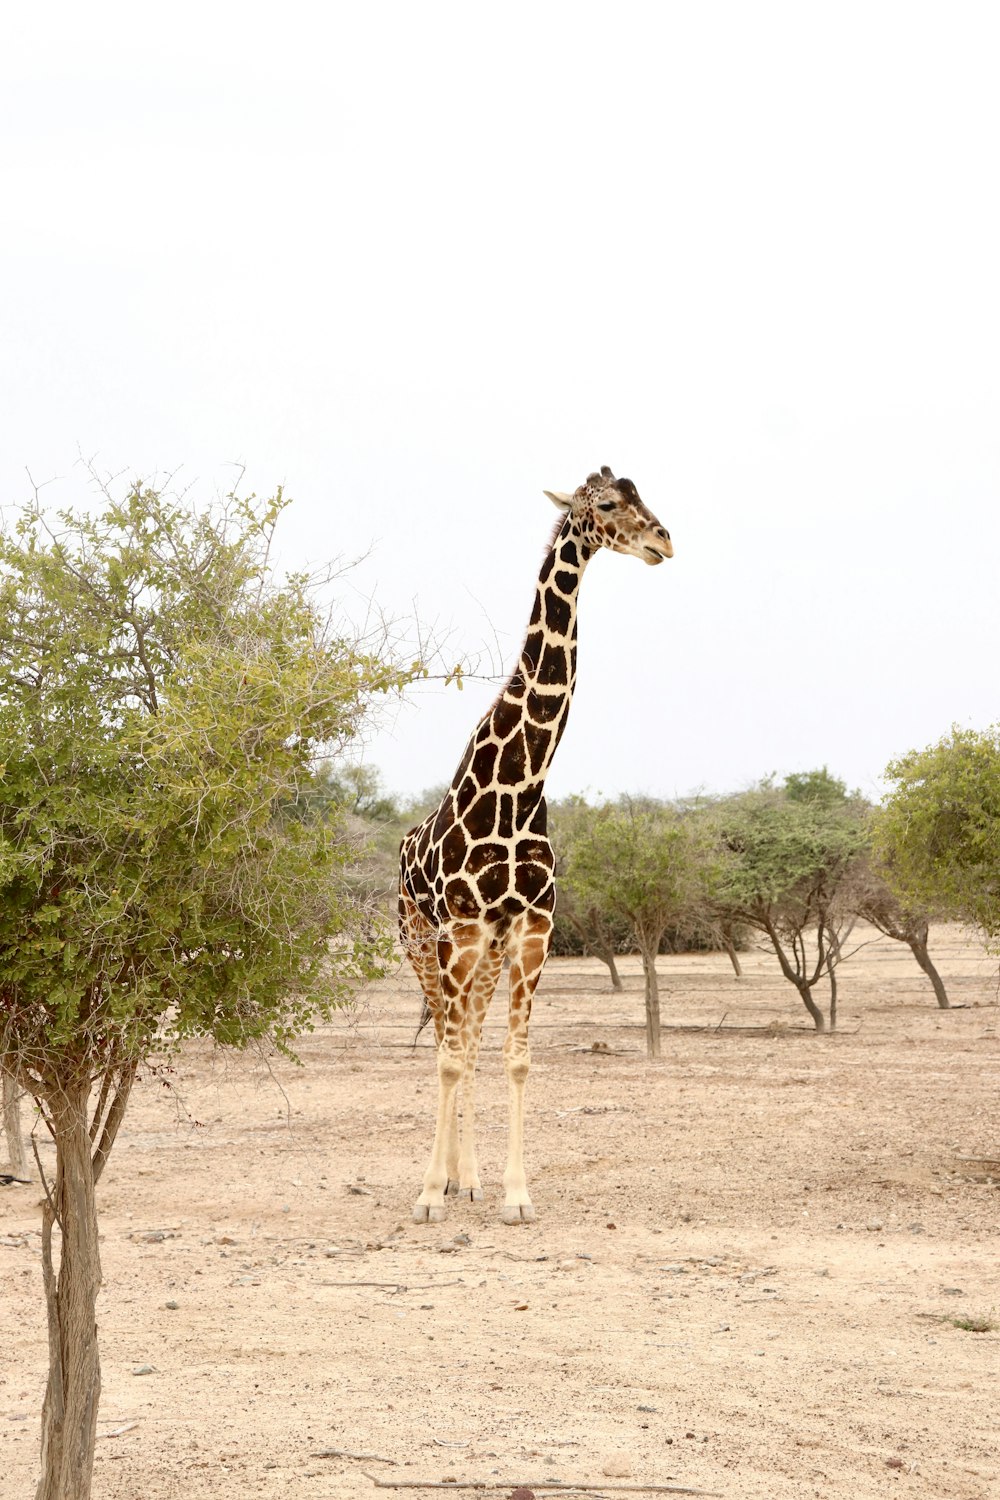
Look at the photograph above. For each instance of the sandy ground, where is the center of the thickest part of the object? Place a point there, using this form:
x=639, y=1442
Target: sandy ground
x=743, y=1275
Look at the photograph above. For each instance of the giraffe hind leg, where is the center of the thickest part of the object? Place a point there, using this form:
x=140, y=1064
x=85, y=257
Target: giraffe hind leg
x=528, y=948
x=484, y=983
x=417, y=939
x=420, y=945
x=458, y=956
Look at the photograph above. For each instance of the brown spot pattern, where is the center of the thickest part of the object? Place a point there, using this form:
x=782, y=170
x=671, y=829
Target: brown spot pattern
x=483, y=855
x=484, y=764
x=510, y=769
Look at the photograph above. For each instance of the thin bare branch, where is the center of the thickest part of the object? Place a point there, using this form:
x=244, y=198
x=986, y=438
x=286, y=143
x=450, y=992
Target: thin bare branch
x=544, y=1486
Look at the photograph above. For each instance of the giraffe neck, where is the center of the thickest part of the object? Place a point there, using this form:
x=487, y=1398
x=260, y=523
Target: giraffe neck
x=546, y=671
x=515, y=741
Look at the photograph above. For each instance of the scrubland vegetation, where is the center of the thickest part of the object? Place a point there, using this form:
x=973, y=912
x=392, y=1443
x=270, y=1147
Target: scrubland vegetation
x=792, y=863
x=188, y=851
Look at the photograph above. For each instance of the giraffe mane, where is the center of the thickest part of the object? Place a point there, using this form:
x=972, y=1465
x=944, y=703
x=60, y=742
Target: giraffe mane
x=552, y=539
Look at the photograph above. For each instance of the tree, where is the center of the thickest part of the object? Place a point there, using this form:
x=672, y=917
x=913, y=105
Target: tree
x=586, y=930
x=358, y=789
x=869, y=892
x=790, y=853
x=875, y=901
x=163, y=698
x=11, y=1123
x=352, y=797
x=728, y=936
x=647, y=865
x=938, y=832
x=818, y=788
x=591, y=927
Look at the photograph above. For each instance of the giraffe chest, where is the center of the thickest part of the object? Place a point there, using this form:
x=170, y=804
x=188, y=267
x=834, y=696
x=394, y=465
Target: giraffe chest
x=487, y=867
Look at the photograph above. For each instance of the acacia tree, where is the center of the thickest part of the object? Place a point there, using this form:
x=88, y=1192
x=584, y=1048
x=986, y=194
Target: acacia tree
x=790, y=853
x=874, y=900
x=586, y=918
x=162, y=701
x=353, y=797
x=646, y=865
x=592, y=930
x=938, y=832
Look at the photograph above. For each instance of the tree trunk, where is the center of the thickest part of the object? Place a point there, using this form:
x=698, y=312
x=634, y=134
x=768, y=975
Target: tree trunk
x=69, y=1414
x=734, y=957
x=919, y=947
x=600, y=946
x=833, y=997
x=795, y=974
x=606, y=953
x=819, y=1020
x=834, y=952
x=12, y=1126
x=652, y=1002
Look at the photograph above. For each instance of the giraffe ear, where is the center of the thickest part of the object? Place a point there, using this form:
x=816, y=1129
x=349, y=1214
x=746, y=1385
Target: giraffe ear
x=563, y=502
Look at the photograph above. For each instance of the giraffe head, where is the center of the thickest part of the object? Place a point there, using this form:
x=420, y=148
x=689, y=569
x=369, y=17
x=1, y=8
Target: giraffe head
x=610, y=514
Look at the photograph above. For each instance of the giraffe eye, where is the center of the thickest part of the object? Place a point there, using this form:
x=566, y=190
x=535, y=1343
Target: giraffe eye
x=606, y=505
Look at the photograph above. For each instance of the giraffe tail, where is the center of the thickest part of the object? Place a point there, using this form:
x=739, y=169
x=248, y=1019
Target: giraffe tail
x=425, y=1015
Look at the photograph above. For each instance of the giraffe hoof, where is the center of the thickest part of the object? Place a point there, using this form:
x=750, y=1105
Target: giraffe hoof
x=517, y=1213
x=452, y=1188
x=475, y=1195
x=428, y=1213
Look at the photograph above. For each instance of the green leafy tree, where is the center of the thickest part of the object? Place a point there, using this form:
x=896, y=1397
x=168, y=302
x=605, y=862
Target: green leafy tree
x=790, y=857
x=353, y=797
x=938, y=833
x=163, y=699
x=869, y=891
x=582, y=925
x=359, y=790
x=818, y=788
x=874, y=899
x=646, y=865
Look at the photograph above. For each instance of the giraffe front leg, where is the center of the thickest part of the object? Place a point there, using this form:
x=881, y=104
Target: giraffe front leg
x=528, y=947
x=452, y=1150
x=517, y=1204
x=463, y=1173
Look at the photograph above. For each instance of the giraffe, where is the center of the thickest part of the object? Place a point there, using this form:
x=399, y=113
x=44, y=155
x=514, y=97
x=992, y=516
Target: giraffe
x=476, y=877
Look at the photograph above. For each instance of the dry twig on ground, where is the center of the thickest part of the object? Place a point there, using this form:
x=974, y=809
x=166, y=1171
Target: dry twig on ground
x=553, y=1487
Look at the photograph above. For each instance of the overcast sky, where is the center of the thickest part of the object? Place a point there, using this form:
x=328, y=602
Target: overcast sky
x=420, y=262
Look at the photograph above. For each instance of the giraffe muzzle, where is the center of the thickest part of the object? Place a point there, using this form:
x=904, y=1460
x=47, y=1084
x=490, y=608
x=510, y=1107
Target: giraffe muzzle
x=657, y=552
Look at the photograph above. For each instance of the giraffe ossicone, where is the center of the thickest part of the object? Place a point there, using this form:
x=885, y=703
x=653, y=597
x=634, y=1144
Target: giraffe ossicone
x=476, y=877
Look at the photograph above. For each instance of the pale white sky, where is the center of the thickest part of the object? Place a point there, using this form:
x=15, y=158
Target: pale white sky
x=420, y=262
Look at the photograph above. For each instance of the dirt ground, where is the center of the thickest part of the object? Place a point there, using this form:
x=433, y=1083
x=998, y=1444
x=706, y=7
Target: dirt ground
x=744, y=1274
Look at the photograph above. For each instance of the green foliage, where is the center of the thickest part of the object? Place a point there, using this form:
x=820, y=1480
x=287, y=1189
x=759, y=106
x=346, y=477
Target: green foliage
x=580, y=924
x=646, y=865
x=378, y=821
x=815, y=786
x=790, y=860
x=786, y=855
x=162, y=703
x=359, y=790
x=876, y=900
x=976, y=1323
x=938, y=833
